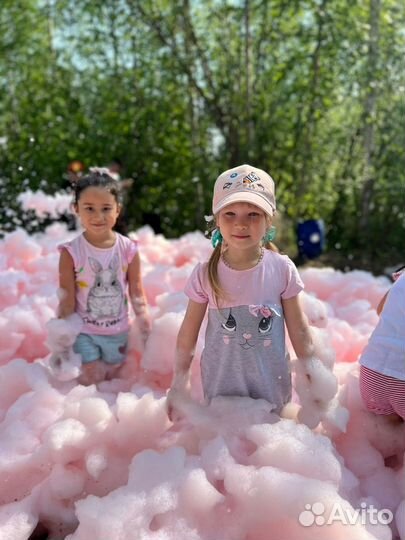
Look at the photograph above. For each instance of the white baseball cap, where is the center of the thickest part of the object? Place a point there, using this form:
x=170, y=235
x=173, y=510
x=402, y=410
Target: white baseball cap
x=244, y=184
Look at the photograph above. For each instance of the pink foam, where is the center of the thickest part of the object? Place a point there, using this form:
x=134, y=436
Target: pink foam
x=105, y=462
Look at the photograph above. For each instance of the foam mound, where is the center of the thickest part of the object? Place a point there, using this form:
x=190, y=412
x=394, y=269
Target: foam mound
x=105, y=463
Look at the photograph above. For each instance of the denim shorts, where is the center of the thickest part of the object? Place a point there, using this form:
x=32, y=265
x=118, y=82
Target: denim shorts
x=110, y=349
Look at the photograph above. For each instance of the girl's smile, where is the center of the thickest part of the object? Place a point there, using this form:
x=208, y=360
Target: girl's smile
x=98, y=211
x=243, y=226
x=242, y=221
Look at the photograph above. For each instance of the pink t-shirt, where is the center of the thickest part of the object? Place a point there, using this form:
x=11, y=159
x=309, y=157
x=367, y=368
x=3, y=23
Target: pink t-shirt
x=101, y=283
x=276, y=277
x=245, y=353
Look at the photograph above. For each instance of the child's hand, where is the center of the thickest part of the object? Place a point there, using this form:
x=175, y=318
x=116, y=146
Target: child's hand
x=65, y=365
x=178, y=395
x=58, y=358
x=316, y=385
x=62, y=333
x=315, y=379
x=175, y=399
x=145, y=325
x=170, y=403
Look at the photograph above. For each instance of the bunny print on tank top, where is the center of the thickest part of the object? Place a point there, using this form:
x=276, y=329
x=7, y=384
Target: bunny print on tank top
x=101, y=284
x=106, y=295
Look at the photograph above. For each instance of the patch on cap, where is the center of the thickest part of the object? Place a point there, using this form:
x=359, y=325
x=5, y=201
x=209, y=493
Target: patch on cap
x=244, y=184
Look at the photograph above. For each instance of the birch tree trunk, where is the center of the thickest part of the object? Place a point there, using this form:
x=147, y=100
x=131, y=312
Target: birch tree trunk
x=369, y=117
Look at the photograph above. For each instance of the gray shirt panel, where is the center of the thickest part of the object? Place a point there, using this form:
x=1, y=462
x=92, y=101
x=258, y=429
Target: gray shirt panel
x=245, y=354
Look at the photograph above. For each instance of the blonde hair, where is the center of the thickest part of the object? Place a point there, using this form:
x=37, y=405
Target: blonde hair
x=212, y=267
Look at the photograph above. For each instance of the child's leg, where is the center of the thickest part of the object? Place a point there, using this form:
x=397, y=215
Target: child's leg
x=397, y=398
x=102, y=356
x=93, y=370
x=113, y=353
x=382, y=394
x=394, y=418
x=112, y=371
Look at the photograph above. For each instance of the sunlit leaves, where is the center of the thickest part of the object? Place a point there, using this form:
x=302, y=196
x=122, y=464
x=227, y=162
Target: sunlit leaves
x=280, y=84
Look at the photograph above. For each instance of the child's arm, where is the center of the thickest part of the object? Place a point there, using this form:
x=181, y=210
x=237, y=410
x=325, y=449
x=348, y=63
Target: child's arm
x=298, y=327
x=381, y=303
x=137, y=297
x=185, y=348
x=67, y=301
x=395, y=276
x=315, y=383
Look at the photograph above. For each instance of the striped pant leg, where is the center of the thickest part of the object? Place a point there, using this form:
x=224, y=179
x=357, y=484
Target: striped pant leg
x=374, y=391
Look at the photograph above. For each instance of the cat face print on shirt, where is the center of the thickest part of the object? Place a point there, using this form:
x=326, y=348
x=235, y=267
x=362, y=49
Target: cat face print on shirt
x=248, y=326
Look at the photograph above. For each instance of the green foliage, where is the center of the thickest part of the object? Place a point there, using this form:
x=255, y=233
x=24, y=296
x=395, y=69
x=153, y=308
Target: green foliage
x=310, y=90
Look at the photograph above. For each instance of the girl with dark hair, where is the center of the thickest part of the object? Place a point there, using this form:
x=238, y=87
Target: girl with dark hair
x=95, y=271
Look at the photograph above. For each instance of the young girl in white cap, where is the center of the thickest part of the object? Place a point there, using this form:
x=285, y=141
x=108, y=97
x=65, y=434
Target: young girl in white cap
x=250, y=290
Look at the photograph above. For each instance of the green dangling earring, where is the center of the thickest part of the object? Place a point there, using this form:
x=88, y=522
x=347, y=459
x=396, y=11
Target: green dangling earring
x=270, y=235
x=216, y=238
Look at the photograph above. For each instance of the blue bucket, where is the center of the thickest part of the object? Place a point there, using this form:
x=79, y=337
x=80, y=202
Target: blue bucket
x=311, y=238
